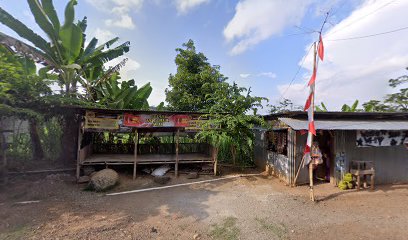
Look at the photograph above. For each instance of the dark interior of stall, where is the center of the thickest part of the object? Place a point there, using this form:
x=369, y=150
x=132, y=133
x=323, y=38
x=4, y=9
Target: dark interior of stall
x=326, y=145
x=277, y=141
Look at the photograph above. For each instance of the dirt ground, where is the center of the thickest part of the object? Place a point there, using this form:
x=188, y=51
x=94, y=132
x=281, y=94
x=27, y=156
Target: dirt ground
x=255, y=207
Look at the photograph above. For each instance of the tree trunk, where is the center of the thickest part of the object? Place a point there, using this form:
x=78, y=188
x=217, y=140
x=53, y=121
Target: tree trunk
x=3, y=164
x=38, y=152
x=69, y=140
x=233, y=153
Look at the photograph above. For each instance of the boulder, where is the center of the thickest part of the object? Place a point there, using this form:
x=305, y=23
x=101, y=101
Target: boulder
x=84, y=179
x=104, y=179
x=161, y=179
x=88, y=170
x=192, y=175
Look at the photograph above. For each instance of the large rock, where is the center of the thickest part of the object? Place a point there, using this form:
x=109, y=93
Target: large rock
x=104, y=179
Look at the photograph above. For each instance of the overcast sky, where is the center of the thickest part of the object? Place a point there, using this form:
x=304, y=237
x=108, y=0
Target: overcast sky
x=258, y=43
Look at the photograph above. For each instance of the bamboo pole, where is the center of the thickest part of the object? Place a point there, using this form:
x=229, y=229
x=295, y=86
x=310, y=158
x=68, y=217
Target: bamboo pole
x=135, y=154
x=298, y=171
x=177, y=153
x=312, y=106
x=311, y=182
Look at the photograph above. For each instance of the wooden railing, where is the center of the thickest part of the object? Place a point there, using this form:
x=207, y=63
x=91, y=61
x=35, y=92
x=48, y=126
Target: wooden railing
x=162, y=148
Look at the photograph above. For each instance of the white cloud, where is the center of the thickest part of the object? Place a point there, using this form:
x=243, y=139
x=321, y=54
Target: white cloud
x=127, y=72
x=120, y=10
x=183, y=6
x=125, y=21
x=267, y=74
x=359, y=68
x=103, y=35
x=262, y=74
x=257, y=20
x=244, y=75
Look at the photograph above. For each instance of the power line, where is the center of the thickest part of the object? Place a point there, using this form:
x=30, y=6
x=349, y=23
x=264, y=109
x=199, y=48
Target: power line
x=297, y=72
x=364, y=16
x=371, y=35
x=304, y=57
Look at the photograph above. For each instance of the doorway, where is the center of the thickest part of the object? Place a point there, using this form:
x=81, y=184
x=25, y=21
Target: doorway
x=324, y=171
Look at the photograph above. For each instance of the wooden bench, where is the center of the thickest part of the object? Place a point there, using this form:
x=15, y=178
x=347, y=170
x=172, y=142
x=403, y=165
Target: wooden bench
x=363, y=169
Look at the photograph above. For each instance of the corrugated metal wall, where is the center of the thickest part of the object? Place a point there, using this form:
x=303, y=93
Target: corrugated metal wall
x=260, y=155
x=391, y=162
x=300, y=146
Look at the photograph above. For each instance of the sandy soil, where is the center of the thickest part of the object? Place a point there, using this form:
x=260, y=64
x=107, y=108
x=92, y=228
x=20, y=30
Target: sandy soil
x=244, y=208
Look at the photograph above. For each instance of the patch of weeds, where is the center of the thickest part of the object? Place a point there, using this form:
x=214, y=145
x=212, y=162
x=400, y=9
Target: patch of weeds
x=17, y=233
x=278, y=229
x=227, y=230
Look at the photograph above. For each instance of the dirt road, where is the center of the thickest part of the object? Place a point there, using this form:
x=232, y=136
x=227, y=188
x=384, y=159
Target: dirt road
x=244, y=208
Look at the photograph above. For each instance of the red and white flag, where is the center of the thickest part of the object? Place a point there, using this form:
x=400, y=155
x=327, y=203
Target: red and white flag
x=309, y=105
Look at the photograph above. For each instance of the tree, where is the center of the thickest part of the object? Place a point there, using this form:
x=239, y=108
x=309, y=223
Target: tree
x=321, y=108
x=126, y=95
x=284, y=105
x=234, y=112
x=65, y=52
x=398, y=101
x=352, y=108
x=395, y=102
x=20, y=86
x=194, y=80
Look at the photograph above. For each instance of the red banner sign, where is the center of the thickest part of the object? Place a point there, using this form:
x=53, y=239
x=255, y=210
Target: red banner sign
x=157, y=120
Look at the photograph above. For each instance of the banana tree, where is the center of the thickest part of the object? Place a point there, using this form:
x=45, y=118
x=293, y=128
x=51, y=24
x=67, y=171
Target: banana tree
x=124, y=94
x=64, y=52
x=352, y=108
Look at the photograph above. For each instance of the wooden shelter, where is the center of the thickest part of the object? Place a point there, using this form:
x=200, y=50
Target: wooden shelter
x=99, y=130
x=344, y=138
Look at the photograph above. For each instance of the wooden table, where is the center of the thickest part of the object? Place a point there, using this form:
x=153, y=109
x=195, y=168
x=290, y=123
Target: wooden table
x=363, y=169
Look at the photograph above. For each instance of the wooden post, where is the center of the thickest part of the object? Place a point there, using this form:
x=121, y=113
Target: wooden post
x=177, y=153
x=311, y=181
x=173, y=150
x=294, y=157
x=233, y=153
x=136, y=140
x=78, y=166
x=215, y=160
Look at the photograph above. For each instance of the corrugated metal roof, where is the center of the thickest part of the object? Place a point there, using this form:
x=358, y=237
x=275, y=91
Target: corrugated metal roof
x=297, y=124
x=341, y=115
x=112, y=110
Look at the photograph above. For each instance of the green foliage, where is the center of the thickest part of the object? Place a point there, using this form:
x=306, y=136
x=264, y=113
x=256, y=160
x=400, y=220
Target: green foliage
x=352, y=108
x=19, y=85
x=50, y=135
x=395, y=102
x=232, y=117
x=20, y=149
x=64, y=52
x=194, y=80
x=199, y=86
x=321, y=108
x=284, y=105
x=123, y=95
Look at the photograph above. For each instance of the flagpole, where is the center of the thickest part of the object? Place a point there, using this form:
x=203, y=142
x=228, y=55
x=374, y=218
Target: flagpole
x=312, y=197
